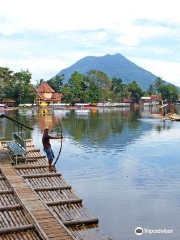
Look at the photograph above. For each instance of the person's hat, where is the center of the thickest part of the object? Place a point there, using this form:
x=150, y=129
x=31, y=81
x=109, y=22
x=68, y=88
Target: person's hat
x=46, y=128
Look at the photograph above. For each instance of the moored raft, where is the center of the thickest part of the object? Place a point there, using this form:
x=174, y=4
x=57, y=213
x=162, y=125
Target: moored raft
x=52, y=192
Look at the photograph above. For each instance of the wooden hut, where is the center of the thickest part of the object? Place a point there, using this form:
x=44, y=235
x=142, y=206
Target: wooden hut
x=9, y=102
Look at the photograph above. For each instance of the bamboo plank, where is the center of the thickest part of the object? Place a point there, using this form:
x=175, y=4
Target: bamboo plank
x=16, y=229
x=52, y=188
x=30, y=166
x=42, y=175
x=6, y=192
x=10, y=207
x=69, y=201
x=81, y=222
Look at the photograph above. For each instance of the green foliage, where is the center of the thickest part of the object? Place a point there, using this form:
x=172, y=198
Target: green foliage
x=136, y=91
x=16, y=86
x=102, y=81
x=78, y=86
x=151, y=90
x=169, y=92
x=159, y=82
x=118, y=90
x=56, y=83
x=93, y=93
x=67, y=94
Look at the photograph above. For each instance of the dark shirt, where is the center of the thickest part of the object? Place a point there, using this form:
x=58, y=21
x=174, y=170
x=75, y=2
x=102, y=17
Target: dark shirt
x=45, y=140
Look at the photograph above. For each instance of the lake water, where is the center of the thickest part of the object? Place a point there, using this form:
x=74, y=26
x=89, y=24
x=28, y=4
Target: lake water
x=121, y=162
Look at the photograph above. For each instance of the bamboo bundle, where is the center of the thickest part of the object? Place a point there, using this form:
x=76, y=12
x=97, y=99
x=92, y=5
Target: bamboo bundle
x=23, y=235
x=13, y=218
x=3, y=185
x=57, y=195
x=47, y=182
x=36, y=161
x=34, y=170
x=7, y=199
x=90, y=232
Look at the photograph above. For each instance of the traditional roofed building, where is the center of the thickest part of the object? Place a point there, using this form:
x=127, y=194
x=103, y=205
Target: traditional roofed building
x=46, y=95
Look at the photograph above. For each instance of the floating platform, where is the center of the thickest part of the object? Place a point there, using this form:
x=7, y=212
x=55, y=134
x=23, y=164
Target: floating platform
x=170, y=117
x=36, y=204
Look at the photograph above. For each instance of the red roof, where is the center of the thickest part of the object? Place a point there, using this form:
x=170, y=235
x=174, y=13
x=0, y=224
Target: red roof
x=156, y=97
x=127, y=100
x=45, y=88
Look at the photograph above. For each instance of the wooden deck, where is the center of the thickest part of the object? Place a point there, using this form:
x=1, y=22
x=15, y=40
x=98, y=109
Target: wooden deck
x=37, y=204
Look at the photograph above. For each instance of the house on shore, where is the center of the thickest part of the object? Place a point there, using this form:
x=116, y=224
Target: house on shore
x=151, y=100
x=8, y=102
x=46, y=95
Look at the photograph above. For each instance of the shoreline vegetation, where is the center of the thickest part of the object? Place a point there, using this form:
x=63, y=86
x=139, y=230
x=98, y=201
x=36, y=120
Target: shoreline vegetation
x=95, y=87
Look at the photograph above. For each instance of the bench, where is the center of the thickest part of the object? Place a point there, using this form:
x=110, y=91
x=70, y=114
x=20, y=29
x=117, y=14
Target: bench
x=17, y=148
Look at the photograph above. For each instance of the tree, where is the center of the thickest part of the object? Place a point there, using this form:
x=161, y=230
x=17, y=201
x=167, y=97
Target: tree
x=78, y=86
x=93, y=94
x=118, y=90
x=56, y=83
x=67, y=95
x=24, y=92
x=158, y=83
x=102, y=81
x=151, y=89
x=6, y=82
x=136, y=91
x=169, y=92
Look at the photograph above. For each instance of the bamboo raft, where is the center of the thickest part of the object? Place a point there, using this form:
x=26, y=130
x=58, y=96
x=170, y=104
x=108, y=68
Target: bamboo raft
x=36, y=204
x=170, y=117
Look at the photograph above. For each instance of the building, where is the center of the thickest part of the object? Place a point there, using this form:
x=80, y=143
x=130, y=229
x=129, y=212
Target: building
x=9, y=102
x=46, y=95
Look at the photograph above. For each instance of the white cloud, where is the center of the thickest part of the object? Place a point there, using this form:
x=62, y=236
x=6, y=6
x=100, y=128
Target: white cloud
x=95, y=27
x=40, y=68
x=58, y=15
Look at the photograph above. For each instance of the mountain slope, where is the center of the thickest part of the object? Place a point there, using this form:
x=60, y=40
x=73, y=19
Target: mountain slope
x=114, y=66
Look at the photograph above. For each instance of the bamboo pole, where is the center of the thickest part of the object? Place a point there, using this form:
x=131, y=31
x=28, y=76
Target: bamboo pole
x=10, y=207
x=52, y=188
x=31, y=166
x=41, y=175
x=68, y=201
x=16, y=229
x=80, y=222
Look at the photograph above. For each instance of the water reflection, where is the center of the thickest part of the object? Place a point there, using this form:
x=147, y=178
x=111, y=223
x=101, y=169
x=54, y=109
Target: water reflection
x=124, y=164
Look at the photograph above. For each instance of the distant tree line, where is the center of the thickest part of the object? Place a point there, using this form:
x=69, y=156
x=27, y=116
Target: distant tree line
x=16, y=85
x=94, y=87
x=97, y=87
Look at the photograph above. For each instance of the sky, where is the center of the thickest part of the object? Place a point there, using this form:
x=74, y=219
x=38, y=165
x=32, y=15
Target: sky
x=46, y=36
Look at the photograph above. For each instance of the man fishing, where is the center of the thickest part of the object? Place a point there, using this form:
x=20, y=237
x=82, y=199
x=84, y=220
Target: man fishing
x=47, y=148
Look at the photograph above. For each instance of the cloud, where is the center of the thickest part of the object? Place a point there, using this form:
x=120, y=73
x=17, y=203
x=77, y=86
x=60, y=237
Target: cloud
x=47, y=36
x=40, y=68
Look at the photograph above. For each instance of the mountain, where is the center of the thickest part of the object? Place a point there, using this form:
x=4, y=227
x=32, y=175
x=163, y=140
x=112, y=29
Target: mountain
x=114, y=66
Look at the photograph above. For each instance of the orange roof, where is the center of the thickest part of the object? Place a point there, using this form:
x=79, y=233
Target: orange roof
x=127, y=100
x=56, y=96
x=45, y=88
x=156, y=97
